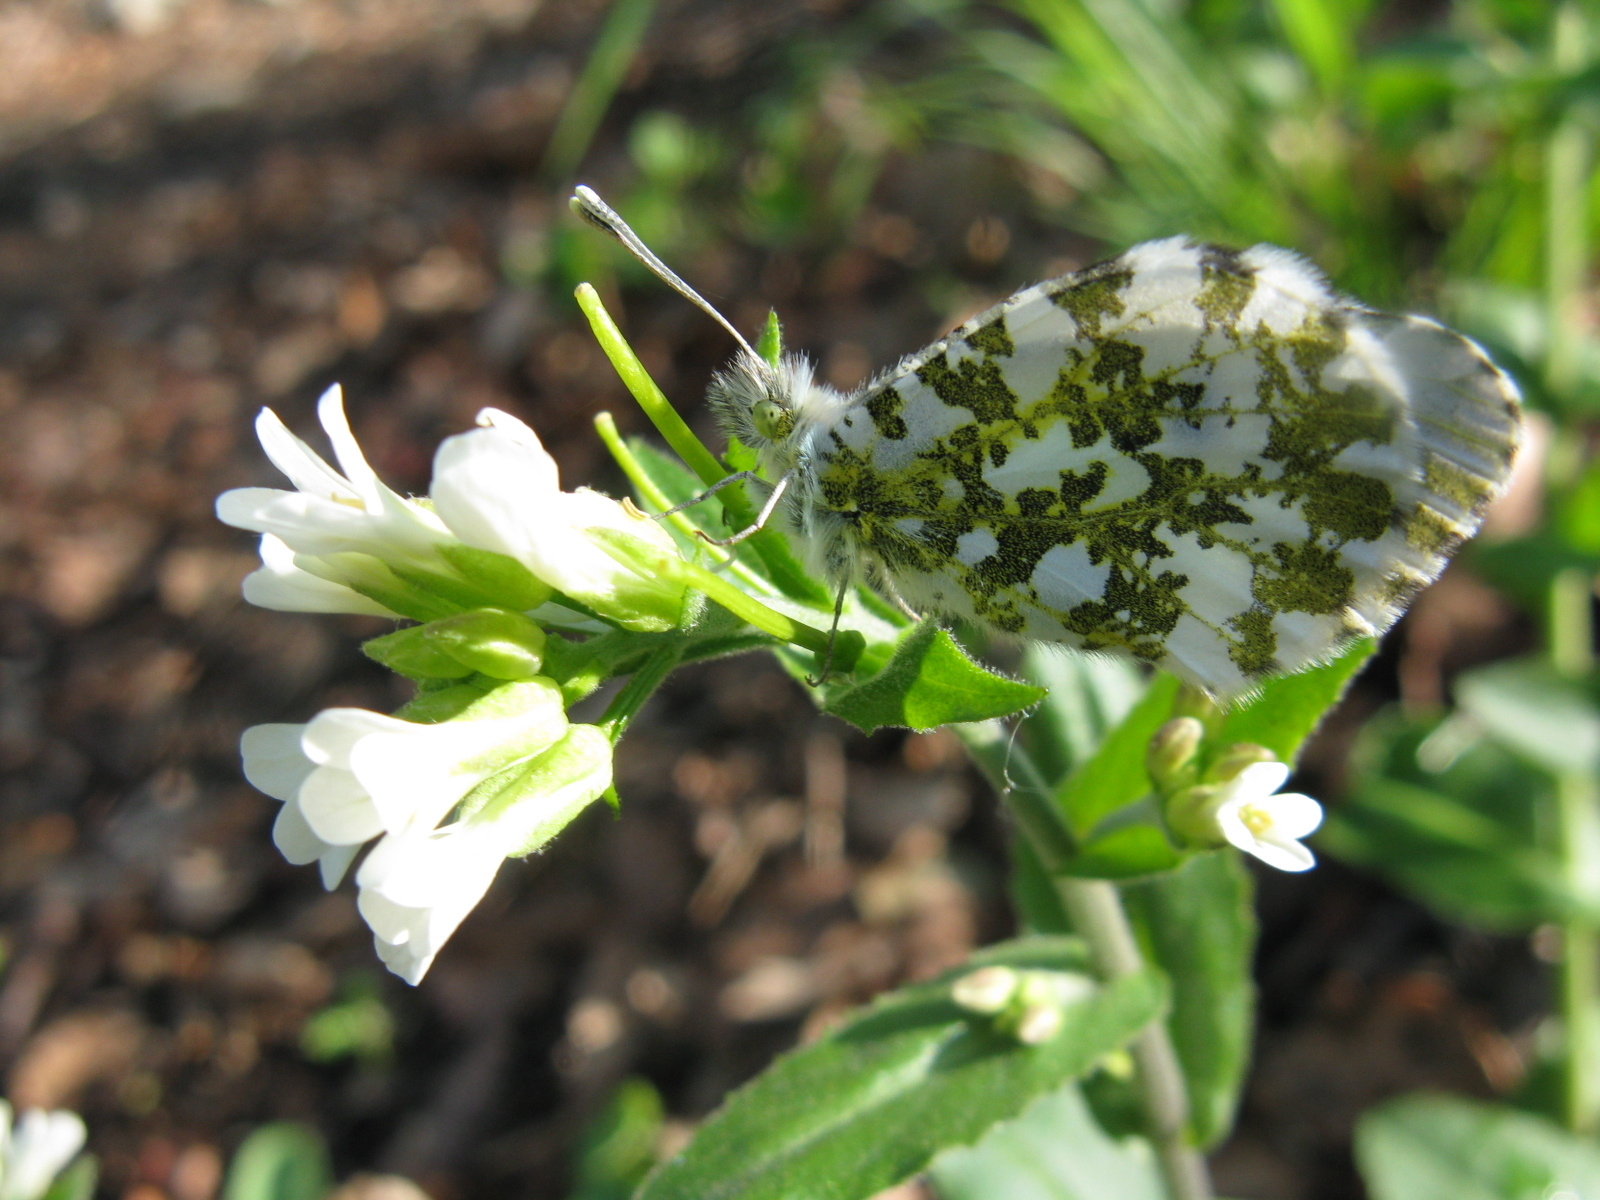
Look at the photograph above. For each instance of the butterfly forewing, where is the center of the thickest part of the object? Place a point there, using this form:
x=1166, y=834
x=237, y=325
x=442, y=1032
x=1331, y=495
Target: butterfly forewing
x=1196, y=456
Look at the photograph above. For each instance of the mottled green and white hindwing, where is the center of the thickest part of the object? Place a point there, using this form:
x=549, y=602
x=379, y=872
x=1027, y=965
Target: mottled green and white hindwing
x=1200, y=457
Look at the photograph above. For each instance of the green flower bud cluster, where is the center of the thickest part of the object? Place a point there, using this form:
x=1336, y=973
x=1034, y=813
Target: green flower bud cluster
x=1028, y=1005
x=1232, y=799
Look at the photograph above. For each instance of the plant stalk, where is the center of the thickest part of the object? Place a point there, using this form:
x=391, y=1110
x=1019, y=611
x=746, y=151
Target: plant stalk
x=1571, y=648
x=1095, y=908
x=1569, y=154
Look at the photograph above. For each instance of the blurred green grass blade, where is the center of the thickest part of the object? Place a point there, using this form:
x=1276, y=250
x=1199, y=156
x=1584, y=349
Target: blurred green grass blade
x=597, y=85
x=1322, y=34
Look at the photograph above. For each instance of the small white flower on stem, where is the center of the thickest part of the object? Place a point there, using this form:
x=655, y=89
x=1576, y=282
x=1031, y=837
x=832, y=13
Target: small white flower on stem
x=498, y=489
x=1254, y=816
x=350, y=775
x=419, y=883
x=36, y=1150
x=332, y=513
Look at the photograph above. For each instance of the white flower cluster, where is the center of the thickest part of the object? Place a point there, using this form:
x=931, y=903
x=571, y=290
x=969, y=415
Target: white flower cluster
x=36, y=1149
x=485, y=767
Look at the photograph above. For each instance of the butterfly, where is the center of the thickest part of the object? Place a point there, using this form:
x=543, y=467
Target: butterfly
x=1200, y=457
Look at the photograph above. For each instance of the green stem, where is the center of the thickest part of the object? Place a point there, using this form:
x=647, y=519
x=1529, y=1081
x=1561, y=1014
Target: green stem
x=640, y=688
x=769, y=545
x=1568, y=162
x=658, y=500
x=1095, y=908
x=1571, y=648
x=655, y=404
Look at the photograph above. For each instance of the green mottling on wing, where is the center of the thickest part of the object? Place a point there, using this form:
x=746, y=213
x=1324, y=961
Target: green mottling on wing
x=1093, y=296
x=1431, y=531
x=884, y=407
x=993, y=338
x=1446, y=479
x=1254, y=653
x=1309, y=579
x=1226, y=286
x=980, y=387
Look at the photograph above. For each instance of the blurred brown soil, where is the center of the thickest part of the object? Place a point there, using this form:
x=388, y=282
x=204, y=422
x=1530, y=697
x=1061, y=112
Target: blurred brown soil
x=211, y=206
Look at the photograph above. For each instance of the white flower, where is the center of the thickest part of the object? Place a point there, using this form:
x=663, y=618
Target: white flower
x=33, y=1153
x=1259, y=820
x=349, y=775
x=497, y=489
x=332, y=513
x=418, y=884
x=281, y=583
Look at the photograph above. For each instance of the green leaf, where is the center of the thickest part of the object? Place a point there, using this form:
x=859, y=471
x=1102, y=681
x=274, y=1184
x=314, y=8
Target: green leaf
x=872, y=1101
x=1053, y=1151
x=1286, y=709
x=929, y=682
x=1198, y=924
x=1088, y=695
x=1116, y=777
x=77, y=1182
x=1528, y=706
x=283, y=1161
x=1454, y=818
x=1444, y=1148
x=1129, y=851
x=620, y=1147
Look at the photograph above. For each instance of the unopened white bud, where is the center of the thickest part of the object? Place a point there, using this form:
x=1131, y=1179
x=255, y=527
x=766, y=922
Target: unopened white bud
x=986, y=990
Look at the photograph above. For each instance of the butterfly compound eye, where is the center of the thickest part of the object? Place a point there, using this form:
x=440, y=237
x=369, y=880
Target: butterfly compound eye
x=771, y=419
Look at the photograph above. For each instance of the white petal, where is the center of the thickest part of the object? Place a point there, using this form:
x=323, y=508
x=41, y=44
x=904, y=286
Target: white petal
x=1261, y=779
x=297, y=590
x=1233, y=827
x=404, y=960
x=338, y=808
x=294, y=837
x=494, y=490
x=334, y=864
x=1285, y=855
x=273, y=760
x=332, y=734
x=586, y=509
x=1293, y=815
x=303, y=465
x=364, y=480
x=43, y=1144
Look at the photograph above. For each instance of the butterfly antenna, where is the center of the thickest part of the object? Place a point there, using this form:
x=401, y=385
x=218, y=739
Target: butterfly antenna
x=588, y=205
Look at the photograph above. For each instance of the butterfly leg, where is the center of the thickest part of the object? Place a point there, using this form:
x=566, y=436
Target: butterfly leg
x=725, y=481
x=833, y=633
x=761, y=517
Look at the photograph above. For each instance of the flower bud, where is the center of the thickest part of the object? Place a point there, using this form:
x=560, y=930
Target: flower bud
x=1171, y=757
x=1039, y=1023
x=986, y=990
x=1192, y=817
x=497, y=489
x=410, y=652
x=1235, y=759
x=493, y=641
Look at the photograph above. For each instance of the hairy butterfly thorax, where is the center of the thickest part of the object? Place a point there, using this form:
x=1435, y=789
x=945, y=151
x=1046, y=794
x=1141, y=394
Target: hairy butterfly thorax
x=1200, y=457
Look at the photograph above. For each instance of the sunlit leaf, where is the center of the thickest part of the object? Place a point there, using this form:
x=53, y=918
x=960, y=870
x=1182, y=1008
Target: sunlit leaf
x=872, y=1101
